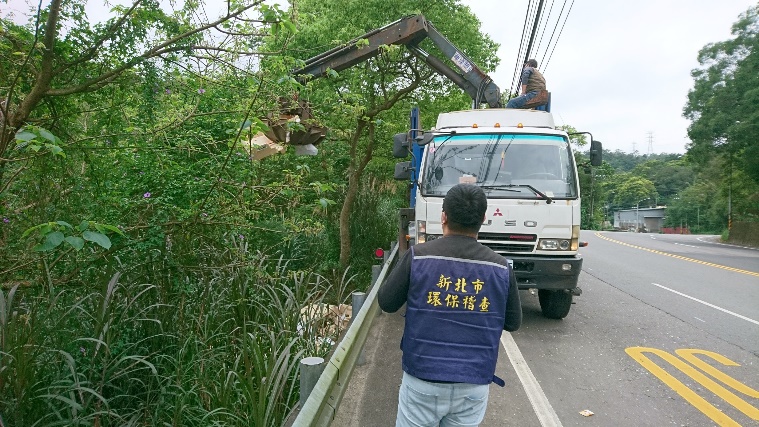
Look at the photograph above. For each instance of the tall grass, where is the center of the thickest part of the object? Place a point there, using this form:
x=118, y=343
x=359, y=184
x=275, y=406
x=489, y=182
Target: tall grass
x=211, y=349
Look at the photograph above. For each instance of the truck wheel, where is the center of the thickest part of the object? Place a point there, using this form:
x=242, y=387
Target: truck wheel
x=555, y=304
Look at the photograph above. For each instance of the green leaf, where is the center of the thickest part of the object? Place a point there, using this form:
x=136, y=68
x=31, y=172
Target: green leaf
x=30, y=230
x=52, y=240
x=112, y=228
x=76, y=242
x=56, y=150
x=84, y=225
x=99, y=238
x=47, y=135
x=290, y=27
x=25, y=135
x=65, y=224
x=260, y=125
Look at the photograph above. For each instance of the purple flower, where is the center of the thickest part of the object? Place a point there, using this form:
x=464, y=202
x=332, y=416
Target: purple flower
x=146, y=195
x=241, y=237
x=83, y=351
x=168, y=91
x=201, y=91
x=204, y=214
x=6, y=220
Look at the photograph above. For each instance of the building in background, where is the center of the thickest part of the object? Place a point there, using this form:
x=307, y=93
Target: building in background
x=642, y=220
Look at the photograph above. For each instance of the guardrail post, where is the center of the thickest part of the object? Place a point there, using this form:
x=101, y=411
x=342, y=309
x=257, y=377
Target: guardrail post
x=356, y=303
x=376, y=270
x=311, y=369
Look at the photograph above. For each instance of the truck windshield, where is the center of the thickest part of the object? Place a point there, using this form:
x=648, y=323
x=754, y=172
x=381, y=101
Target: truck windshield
x=510, y=166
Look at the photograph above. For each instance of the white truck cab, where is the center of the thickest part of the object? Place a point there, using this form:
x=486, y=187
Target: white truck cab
x=527, y=170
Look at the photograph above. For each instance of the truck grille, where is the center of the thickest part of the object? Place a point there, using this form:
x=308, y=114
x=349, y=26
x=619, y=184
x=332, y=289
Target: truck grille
x=508, y=242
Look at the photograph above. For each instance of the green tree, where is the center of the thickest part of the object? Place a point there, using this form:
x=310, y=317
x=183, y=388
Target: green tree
x=668, y=177
x=50, y=68
x=722, y=107
x=356, y=103
x=634, y=190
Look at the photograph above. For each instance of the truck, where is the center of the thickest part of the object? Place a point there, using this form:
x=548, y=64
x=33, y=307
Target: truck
x=523, y=162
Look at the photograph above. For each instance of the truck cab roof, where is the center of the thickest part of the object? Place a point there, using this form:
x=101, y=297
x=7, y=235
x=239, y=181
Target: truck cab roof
x=495, y=117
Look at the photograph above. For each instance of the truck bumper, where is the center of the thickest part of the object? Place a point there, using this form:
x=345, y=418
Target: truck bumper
x=547, y=272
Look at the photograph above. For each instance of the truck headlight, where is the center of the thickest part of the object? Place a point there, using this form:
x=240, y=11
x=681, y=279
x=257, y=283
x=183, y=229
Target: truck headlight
x=554, y=244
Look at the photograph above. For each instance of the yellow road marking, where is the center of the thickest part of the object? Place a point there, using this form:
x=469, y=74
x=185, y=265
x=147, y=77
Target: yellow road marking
x=637, y=353
x=690, y=356
x=710, y=264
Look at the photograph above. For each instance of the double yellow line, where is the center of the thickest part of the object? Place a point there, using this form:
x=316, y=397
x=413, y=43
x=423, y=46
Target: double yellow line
x=689, y=355
x=710, y=264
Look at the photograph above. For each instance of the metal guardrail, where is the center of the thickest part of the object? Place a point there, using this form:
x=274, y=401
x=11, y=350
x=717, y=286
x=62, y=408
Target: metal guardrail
x=321, y=405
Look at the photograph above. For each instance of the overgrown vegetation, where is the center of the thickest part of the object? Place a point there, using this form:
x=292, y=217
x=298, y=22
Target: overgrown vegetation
x=153, y=273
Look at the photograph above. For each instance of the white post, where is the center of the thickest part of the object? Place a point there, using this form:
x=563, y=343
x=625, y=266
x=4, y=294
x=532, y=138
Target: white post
x=311, y=369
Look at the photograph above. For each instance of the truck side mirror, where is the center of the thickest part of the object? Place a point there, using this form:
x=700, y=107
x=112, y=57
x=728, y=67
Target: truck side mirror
x=596, y=153
x=401, y=145
x=403, y=171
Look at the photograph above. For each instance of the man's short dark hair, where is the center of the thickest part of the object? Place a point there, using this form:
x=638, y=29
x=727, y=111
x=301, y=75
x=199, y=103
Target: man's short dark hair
x=532, y=63
x=465, y=206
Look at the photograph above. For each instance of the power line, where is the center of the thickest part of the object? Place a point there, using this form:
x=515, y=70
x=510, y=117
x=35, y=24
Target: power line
x=521, y=45
x=550, y=39
x=559, y=36
x=538, y=15
x=548, y=17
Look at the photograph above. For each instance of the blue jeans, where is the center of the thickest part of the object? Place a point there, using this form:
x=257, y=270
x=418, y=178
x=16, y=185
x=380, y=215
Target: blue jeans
x=520, y=100
x=425, y=404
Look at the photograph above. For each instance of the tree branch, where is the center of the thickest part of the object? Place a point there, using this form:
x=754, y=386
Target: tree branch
x=162, y=48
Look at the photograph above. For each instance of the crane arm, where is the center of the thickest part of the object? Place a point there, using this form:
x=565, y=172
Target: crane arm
x=409, y=32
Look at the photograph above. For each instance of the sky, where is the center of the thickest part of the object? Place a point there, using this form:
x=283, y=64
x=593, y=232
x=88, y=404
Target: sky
x=621, y=69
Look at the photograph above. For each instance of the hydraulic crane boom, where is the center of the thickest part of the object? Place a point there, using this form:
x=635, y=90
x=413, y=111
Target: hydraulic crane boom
x=409, y=32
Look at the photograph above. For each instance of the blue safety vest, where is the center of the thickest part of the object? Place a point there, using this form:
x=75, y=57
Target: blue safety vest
x=454, y=319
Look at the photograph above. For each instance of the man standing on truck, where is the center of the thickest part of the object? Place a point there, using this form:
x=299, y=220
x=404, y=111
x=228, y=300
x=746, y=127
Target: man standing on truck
x=459, y=296
x=532, y=83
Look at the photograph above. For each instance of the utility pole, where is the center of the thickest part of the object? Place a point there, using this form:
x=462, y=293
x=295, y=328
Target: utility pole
x=650, y=143
x=730, y=196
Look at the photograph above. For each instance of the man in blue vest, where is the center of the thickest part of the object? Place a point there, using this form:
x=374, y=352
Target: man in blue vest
x=459, y=296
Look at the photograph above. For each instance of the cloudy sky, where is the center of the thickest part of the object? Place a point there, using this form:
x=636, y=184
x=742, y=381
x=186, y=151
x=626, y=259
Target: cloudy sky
x=621, y=69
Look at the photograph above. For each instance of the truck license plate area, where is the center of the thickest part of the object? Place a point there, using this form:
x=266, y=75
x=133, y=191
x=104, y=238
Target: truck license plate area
x=523, y=266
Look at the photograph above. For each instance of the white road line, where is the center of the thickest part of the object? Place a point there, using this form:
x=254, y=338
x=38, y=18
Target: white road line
x=702, y=302
x=540, y=404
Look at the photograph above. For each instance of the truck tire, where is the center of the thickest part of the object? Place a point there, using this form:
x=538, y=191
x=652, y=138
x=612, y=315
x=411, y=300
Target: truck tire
x=554, y=304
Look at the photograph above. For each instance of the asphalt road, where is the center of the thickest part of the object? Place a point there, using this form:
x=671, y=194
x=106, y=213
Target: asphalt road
x=666, y=333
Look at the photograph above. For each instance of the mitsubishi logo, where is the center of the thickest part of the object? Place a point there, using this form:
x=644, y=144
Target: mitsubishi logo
x=497, y=212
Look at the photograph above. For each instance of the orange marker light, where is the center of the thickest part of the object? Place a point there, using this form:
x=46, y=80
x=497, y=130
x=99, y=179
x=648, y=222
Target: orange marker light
x=497, y=125
x=520, y=126
x=475, y=126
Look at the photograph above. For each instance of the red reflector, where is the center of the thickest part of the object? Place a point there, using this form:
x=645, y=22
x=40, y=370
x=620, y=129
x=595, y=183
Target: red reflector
x=521, y=237
x=379, y=252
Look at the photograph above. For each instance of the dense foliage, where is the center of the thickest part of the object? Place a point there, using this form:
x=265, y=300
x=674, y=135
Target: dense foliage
x=152, y=272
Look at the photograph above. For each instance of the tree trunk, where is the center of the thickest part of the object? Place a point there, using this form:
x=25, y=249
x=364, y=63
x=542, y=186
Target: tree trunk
x=355, y=172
